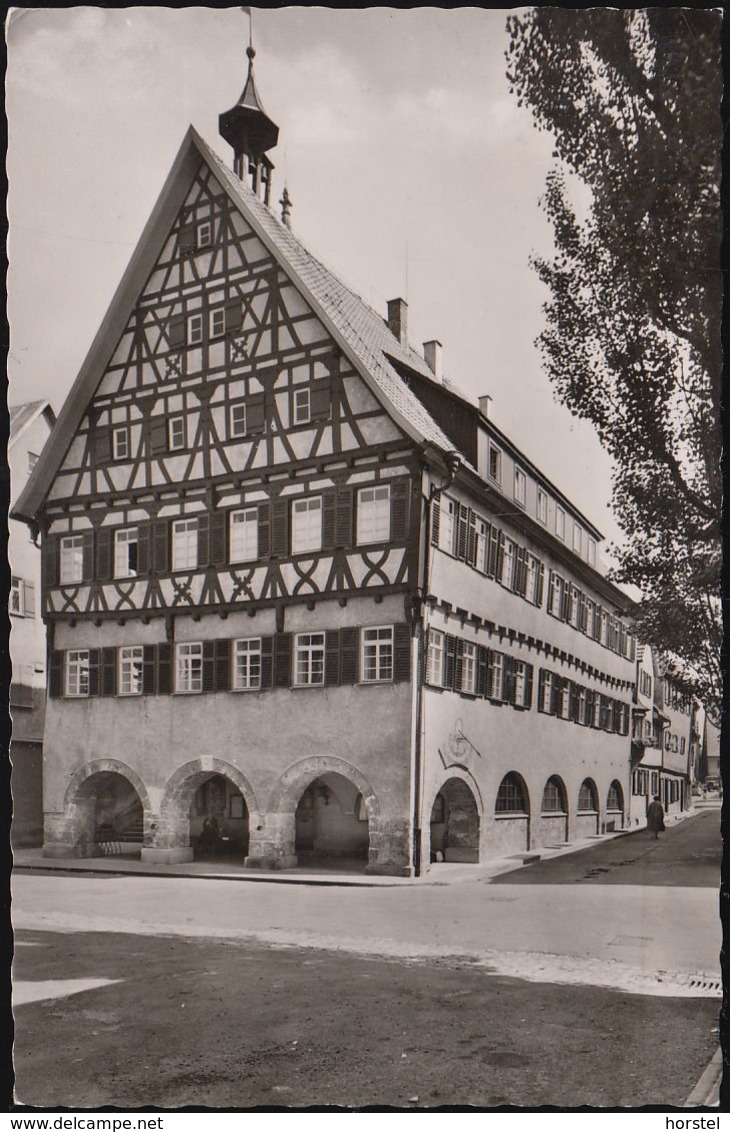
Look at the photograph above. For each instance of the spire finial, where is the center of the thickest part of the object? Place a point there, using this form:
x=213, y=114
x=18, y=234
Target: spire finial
x=286, y=206
x=250, y=52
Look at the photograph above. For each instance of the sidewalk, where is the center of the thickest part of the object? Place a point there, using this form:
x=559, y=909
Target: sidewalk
x=32, y=860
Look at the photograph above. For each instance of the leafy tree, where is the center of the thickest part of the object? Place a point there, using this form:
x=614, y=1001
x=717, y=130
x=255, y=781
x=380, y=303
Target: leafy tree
x=632, y=342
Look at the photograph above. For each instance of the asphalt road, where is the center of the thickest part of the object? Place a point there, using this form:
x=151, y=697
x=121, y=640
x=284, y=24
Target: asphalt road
x=222, y=1023
x=688, y=854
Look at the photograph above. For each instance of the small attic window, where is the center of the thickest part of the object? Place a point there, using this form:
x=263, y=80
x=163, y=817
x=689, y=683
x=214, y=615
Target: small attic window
x=205, y=234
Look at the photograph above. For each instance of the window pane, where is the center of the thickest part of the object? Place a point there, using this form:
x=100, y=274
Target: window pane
x=373, y=514
x=247, y=671
x=307, y=524
x=244, y=535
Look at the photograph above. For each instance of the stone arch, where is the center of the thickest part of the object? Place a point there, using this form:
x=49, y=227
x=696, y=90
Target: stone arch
x=512, y=816
x=173, y=830
x=455, y=819
x=106, y=810
x=105, y=766
x=587, y=819
x=284, y=797
x=554, y=810
x=615, y=811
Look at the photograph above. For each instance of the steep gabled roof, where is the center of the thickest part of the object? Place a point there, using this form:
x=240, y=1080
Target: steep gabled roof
x=23, y=415
x=362, y=335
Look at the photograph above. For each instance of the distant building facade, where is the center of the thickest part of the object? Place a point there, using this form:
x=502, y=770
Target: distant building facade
x=300, y=590
x=30, y=425
x=665, y=737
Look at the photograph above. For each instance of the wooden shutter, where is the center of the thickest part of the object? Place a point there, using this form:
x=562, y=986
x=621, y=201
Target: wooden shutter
x=495, y=544
x=450, y=662
x=255, y=413
x=28, y=599
x=332, y=658
x=208, y=666
x=264, y=524
x=541, y=691
x=109, y=672
x=88, y=556
x=280, y=528
x=104, y=554
x=459, y=666
x=222, y=665
x=176, y=332
x=187, y=239
x=320, y=400
x=508, y=685
x=401, y=653
x=471, y=540
x=540, y=585
x=164, y=669
x=399, y=493
x=574, y=692
x=218, y=525
x=462, y=527
x=343, y=517
x=328, y=519
x=94, y=681
x=143, y=548
x=565, y=600
x=267, y=666
x=521, y=571
x=556, y=695
x=102, y=444
x=349, y=656
x=161, y=536
x=234, y=314
x=49, y=560
x=55, y=673
x=528, y=685
x=282, y=660
x=149, y=670
x=435, y=519
x=203, y=539
x=482, y=668
x=158, y=436
x=597, y=620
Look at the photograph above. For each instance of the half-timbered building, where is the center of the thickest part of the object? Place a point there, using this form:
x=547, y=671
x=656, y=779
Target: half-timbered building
x=298, y=590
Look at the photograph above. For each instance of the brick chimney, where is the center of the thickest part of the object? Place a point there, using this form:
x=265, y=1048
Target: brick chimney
x=432, y=354
x=398, y=320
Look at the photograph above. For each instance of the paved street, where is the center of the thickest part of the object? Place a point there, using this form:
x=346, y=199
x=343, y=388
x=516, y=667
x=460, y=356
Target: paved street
x=362, y=970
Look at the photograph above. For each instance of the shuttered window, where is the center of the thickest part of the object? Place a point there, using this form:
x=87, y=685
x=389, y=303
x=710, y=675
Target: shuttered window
x=377, y=654
x=77, y=672
x=16, y=597
x=184, y=544
x=495, y=676
x=189, y=667
x=307, y=524
x=435, y=662
x=309, y=651
x=373, y=514
x=125, y=553
x=131, y=670
x=244, y=535
x=247, y=664
x=469, y=668
x=447, y=532
x=72, y=558
x=545, y=692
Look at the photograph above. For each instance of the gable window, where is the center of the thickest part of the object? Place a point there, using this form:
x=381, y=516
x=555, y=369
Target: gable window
x=195, y=329
x=542, y=506
x=217, y=322
x=307, y=524
x=560, y=523
x=189, y=667
x=176, y=433
x=72, y=559
x=302, y=406
x=495, y=464
x=373, y=514
x=125, y=553
x=77, y=672
x=120, y=443
x=591, y=551
x=184, y=544
x=238, y=420
x=495, y=676
x=247, y=664
x=205, y=234
x=469, y=668
x=16, y=596
x=244, y=535
x=435, y=666
x=130, y=670
x=377, y=654
x=32, y=461
x=577, y=538
x=310, y=659
x=520, y=487
x=447, y=525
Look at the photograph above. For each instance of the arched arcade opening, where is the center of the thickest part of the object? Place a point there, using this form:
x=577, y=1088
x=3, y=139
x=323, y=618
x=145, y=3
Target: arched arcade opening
x=454, y=825
x=106, y=816
x=332, y=827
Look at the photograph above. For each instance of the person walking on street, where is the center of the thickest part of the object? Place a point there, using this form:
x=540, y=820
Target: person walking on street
x=655, y=818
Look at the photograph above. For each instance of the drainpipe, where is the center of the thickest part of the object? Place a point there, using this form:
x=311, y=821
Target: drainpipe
x=453, y=462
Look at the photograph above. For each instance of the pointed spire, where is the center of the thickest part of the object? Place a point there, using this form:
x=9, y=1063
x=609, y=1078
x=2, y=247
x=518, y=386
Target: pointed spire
x=286, y=205
x=250, y=132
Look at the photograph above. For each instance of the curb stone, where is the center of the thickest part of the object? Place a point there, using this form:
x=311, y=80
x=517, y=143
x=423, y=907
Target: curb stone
x=706, y=1093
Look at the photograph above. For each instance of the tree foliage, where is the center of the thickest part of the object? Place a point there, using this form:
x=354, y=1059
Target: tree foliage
x=632, y=341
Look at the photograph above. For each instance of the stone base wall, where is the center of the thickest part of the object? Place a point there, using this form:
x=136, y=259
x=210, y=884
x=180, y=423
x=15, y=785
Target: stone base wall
x=586, y=825
x=506, y=836
x=552, y=829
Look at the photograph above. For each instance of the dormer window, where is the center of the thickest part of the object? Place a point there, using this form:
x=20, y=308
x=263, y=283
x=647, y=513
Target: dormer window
x=577, y=538
x=560, y=523
x=542, y=506
x=205, y=234
x=520, y=487
x=591, y=551
x=495, y=464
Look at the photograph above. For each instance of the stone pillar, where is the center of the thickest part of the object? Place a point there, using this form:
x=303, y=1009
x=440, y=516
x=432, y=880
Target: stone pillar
x=166, y=839
x=390, y=847
x=271, y=843
x=71, y=832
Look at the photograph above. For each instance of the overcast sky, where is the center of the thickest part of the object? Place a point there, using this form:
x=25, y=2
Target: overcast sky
x=412, y=170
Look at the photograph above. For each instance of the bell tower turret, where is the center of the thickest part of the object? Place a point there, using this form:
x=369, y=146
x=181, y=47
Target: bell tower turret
x=251, y=133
